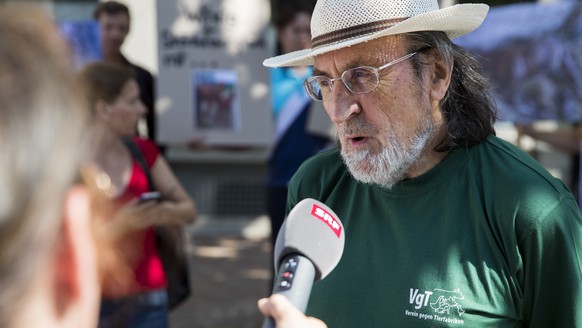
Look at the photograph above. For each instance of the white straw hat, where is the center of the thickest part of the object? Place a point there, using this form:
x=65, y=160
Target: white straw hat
x=337, y=24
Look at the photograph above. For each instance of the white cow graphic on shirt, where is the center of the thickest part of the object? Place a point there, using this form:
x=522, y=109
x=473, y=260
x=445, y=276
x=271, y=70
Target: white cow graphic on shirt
x=446, y=300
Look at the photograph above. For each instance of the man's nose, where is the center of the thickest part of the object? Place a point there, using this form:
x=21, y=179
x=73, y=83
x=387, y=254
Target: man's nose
x=342, y=105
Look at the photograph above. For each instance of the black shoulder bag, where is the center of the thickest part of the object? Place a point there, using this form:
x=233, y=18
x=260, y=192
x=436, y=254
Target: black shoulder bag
x=171, y=242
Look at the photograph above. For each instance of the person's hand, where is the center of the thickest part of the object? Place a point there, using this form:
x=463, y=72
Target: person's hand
x=134, y=216
x=285, y=314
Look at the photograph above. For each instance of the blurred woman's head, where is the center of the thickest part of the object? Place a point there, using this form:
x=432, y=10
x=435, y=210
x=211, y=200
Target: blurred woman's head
x=48, y=262
x=113, y=95
x=293, y=23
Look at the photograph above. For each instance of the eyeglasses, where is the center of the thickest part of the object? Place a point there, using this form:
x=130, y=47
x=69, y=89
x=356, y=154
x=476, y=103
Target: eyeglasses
x=357, y=80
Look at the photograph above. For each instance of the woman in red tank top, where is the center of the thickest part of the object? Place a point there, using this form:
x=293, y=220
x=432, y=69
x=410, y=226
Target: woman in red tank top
x=133, y=296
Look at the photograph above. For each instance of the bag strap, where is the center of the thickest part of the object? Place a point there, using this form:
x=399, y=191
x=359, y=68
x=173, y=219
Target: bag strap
x=140, y=159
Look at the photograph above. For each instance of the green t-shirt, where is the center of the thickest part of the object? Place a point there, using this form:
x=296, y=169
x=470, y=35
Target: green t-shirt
x=487, y=238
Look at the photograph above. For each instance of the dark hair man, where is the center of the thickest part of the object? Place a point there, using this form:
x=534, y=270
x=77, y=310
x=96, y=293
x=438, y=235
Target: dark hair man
x=114, y=19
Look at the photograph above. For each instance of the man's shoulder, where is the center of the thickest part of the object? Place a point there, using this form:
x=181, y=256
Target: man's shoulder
x=504, y=154
x=140, y=71
x=506, y=167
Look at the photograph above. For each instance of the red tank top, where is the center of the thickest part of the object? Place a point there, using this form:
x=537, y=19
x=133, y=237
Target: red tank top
x=148, y=270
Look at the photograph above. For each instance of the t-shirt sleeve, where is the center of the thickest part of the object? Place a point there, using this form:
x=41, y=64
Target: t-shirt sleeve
x=149, y=150
x=552, y=256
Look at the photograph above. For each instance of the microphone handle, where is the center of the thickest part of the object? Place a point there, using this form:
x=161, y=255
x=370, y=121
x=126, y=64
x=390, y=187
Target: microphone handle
x=294, y=280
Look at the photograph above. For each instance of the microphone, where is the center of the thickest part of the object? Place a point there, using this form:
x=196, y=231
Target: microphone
x=309, y=245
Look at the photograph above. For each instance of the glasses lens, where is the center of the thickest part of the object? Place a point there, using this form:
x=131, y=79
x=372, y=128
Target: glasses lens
x=318, y=87
x=360, y=79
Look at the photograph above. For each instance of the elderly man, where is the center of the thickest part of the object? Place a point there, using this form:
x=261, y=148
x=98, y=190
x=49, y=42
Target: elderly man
x=446, y=224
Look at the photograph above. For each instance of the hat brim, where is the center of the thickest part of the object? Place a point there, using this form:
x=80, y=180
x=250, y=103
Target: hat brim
x=455, y=21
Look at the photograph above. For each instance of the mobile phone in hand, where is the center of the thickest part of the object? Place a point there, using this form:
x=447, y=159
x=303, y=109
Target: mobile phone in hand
x=147, y=196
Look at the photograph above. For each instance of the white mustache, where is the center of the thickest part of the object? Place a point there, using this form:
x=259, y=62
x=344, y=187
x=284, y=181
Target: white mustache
x=356, y=128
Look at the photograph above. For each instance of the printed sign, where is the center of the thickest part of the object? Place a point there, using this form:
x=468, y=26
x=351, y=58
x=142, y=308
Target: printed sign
x=211, y=83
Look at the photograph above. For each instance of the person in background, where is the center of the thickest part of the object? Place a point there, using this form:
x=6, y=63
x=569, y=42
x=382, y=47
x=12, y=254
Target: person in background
x=293, y=143
x=446, y=224
x=114, y=21
x=113, y=98
x=51, y=206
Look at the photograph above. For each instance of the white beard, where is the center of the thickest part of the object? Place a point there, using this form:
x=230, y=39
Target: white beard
x=392, y=163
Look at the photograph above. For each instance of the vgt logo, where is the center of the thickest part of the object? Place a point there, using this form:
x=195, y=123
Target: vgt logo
x=322, y=214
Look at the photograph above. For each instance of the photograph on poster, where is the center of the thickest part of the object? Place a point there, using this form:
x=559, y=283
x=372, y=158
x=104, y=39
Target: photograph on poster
x=531, y=54
x=83, y=38
x=215, y=100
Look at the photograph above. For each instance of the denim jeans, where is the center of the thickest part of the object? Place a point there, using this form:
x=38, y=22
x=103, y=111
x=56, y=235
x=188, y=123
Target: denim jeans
x=145, y=310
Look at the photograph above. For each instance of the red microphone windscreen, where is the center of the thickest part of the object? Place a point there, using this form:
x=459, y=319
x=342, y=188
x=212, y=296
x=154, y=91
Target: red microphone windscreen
x=313, y=230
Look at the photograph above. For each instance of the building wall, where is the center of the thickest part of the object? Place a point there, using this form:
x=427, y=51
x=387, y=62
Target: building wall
x=223, y=182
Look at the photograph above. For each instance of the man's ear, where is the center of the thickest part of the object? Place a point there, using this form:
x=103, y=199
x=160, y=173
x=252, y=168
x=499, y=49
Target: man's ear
x=76, y=285
x=441, y=76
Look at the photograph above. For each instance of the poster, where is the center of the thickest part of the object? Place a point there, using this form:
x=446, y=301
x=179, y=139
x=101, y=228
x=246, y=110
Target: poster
x=83, y=38
x=211, y=84
x=216, y=103
x=532, y=54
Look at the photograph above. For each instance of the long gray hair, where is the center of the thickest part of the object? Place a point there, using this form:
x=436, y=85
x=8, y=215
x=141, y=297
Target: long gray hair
x=468, y=107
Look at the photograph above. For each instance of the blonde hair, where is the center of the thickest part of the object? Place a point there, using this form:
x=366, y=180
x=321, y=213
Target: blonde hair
x=44, y=139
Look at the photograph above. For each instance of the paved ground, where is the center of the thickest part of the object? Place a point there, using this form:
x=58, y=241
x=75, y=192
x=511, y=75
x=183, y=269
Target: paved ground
x=230, y=264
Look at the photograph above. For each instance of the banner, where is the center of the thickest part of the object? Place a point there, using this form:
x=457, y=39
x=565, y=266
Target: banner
x=83, y=38
x=532, y=54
